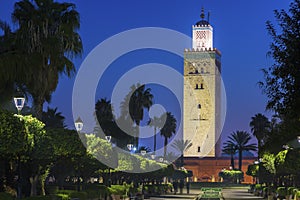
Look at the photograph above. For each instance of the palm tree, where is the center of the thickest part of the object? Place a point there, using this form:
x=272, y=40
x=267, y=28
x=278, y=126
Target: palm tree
x=240, y=140
x=8, y=63
x=140, y=98
x=104, y=115
x=168, y=129
x=54, y=119
x=260, y=127
x=229, y=149
x=48, y=38
x=155, y=122
x=182, y=146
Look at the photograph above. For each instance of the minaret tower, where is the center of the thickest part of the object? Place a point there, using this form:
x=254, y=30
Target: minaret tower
x=202, y=89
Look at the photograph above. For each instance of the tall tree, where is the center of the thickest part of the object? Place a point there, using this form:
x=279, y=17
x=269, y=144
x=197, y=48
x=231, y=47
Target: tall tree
x=104, y=115
x=140, y=99
x=54, y=119
x=168, y=129
x=47, y=36
x=230, y=149
x=182, y=146
x=260, y=127
x=241, y=139
x=282, y=80
x=156, y=123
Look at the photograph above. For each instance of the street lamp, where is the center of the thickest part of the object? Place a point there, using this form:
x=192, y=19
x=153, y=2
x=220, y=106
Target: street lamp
x=298, y=138
x=152, y=156
x=143, y=152
x=108, y=138
x=78, y=124
x=19, y=103
x=130, y=147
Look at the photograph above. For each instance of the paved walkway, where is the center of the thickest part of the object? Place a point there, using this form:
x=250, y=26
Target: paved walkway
x=228, y=194
x=238, y=194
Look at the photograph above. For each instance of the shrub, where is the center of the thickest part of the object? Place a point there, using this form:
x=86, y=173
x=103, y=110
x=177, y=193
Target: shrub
x=290, y=190
x=117, y=189
x=68, y=194
x=41, y=198
x=6, y=196
x=298, y=193
x=281, y=191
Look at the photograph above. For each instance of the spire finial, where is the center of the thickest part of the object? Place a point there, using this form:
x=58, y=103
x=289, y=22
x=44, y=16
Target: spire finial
x=202, y=13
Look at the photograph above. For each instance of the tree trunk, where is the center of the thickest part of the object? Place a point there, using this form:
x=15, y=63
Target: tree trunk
x=154, y=146
x=38, y=107
x=182, y=161
x=232, y=161
x=165, y=147
x=136, y=142
x=34, y=182
x=240, y=159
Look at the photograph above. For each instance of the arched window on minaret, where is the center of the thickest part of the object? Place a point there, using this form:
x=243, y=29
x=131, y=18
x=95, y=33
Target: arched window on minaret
x=197, y=86
x=201, y=86
x=199, y=106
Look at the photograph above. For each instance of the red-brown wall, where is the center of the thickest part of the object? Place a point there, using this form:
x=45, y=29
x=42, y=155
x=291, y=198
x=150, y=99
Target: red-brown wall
x=207, y=169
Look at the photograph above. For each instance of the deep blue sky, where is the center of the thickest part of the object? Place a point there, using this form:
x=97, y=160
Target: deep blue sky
x=239, y=33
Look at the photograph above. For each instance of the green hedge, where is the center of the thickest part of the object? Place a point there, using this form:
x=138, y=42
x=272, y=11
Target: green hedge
x=281, y=191
x=6, y=196
x=42, y=198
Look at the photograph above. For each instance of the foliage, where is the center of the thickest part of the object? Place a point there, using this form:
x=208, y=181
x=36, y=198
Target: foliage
x=252, y=170
x=233, y=176
x=260, y=127
x=182, y=146
x=6, y=196
x=292, y=161
x=47, y=37
x=168, y=129
x=269, y=162
x=54, y=119
x=279, y=162
x=156, y=123
x=118, y=189
x=229, y=148
x=282, y=80
x=281, y=191
x=240, y=140
x=72, y=194
x=12, y=135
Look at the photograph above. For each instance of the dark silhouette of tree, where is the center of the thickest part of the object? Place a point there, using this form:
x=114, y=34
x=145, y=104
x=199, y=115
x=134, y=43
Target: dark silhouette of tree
x=133, y=106
x=157, y=123
x=168, y=129
x=230, y=149
x=53, y=119
x=260, y=127
x=240, y=140
x=282, y=80
x=182, y=146
x=47, y=37
x=104, y=115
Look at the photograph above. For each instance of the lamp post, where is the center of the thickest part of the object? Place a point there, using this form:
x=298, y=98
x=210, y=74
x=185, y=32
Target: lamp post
x=108, y=139
x=130, y=147
x=78, y=125
x=19, y=103
x=143, y=152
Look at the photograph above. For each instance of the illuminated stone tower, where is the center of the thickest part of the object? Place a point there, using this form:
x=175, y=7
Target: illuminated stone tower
x=202, y=93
